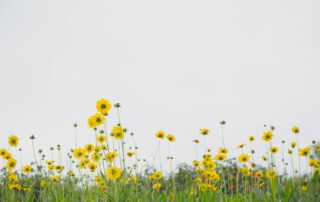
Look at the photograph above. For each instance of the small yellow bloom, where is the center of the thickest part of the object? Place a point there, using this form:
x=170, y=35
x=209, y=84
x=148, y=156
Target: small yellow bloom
x=118, y=132
x=103, y=106
x=271, y=174
x=89, y=148
x=27, y=169
x=267, y=136
x=295, y=129
x=11, y=163
x=171, y=137
x=156, y=186
x=251, y=138
x=244, y=158
x=274, y=150
x=223, y=150
x=101, y=138
x=78, y=153
x=160, y=134
x=220, y=157
x=92, y=167
x=113, y=173
x=204, y=131
x=13, y=140
x=55, y=178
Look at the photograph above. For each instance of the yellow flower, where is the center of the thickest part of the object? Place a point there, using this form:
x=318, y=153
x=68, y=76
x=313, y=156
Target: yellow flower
x=295, y=129
x=274, y=150
x=204, y=131
x=14, y=186
x=244, y=158
x=132, y=179
x=160, y=134
x=96, y=120
x=157, y=175
x=293, y=144
x=304, y=187
x=223, y=150
x=251, y=138
x=290, y=151
x=55, y=178
x=13, y=177
x=258, y=174
x=267, y=136
x=101, y=138
x=118, y=132
x=78, y=153
x=89, y=148
x=3, y=152
x=111, y=156
x=304, y=151
x=130, y=154
x=11, y=163
x=220, y=157
x=196, y=163
x=264, y=158
x=103, y=106
x=271, y=174
x=171, y=137
x=83, y=163
x=13, y=140
x=245, y=171
x=240, y=146
x=27, y=169
x=71, y=174
x=113, y=173
x=156, y=186
x=95, y=157
x=92, y=167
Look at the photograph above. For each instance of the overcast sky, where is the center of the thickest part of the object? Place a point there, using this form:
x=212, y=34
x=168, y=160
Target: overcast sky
x=173, y=65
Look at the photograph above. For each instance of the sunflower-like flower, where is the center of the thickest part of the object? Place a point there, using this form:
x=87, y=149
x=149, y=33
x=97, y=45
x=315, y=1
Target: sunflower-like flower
x=304, y=151
x=156, y=186
x=131, y=154
x=96, y=120
x=251, y=138
x=241, y=146
x=101, y=138
x=271, y=174
x=27, y=169
x=78, y=153
x=274, y=150
x=245, y=171
x=295, y=129
x=89, y=148
x=220, y=157
x=160, y=134
x=103, y=106
x=258, y=174
x=11, y=163
x=113, y=173
x=118, y=132
x=110, y=156
x=204, y=131
x=13, y=140
x=267, y=136
x=293, y=144
x=92, y=166
x=55, y=178
x=244, y=158
x=223, y=150
x=171, y=137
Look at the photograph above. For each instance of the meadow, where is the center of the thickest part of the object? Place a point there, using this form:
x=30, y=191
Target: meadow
x=111, y=170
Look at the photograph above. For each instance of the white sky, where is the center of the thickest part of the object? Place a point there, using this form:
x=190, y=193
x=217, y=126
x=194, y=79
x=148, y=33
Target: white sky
x=173, y=65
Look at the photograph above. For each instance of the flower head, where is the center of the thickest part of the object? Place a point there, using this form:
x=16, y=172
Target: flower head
x=13, y=140
x=113, y=173
x=118, y=132
x=171, y=137
x=244, y=158
x=267, y=136
x=295, y=129
x=160, y=134
x=103, y=106
x=204, y=131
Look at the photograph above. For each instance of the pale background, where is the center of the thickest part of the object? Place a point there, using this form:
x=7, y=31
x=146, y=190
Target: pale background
x=173, y=65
